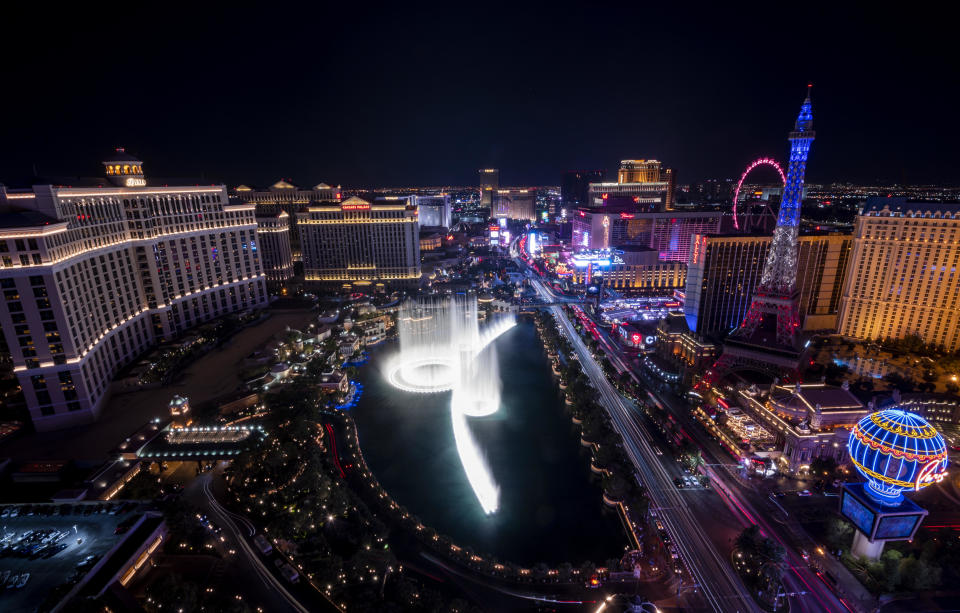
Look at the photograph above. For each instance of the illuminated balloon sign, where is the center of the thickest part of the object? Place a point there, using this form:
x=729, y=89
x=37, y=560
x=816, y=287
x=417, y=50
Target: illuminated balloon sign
x=897, y=451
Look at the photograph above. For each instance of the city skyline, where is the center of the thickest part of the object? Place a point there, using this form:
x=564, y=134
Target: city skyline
x=464, y=309
x=417, y=98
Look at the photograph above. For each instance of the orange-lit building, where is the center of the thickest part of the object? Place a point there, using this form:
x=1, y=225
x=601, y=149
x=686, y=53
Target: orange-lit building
x=903, y=276
x=357, y=244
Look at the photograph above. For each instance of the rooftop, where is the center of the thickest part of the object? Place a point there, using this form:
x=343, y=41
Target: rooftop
x=902, y=207
x=828, y=397
x=25, y=219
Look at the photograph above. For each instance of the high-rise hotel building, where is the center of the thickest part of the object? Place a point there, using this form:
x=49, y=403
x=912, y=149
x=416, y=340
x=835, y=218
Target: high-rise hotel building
x=515, y=203
x=93, y=275
x=666, y=232
x=724, y=270
x=286, y=197
x=276, y=254
x=646, y=182
x=489, y=183
x=358, y=244
x=903, y=277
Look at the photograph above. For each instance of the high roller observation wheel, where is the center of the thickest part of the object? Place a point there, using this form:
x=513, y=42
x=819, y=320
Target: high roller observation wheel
x=753, y=165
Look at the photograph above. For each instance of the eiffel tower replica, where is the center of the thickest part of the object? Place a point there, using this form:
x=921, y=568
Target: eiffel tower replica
x=767, y=339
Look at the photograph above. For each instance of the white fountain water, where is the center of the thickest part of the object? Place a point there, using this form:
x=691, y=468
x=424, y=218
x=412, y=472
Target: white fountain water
x=475, y=464
x=477, y=393
x=443, y=348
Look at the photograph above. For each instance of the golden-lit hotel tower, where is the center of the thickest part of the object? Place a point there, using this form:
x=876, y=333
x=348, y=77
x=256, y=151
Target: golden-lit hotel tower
x=356, y=244
x=647, y=182
x=489, y=183
x=903, y=276
x=275, y=252
x=287, y=197
x=94, y=273
x=724, y=270
x=640, y=171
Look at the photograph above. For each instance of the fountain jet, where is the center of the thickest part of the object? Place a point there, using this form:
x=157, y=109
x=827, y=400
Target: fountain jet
x=443, y=348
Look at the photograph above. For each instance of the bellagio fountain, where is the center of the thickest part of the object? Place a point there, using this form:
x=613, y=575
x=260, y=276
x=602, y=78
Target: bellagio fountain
x=443, y=348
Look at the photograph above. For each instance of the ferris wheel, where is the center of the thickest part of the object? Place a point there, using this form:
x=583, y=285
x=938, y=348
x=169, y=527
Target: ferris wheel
x=744, y=217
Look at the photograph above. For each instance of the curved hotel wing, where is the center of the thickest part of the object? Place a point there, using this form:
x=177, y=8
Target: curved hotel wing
x=94, y=276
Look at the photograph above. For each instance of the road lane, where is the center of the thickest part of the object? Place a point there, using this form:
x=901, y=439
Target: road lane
x=716, y=581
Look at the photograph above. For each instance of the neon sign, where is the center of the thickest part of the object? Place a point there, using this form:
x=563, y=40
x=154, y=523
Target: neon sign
x=932, y=472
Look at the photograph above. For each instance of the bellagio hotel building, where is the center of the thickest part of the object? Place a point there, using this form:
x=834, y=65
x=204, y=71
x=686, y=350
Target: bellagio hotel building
x=96, y=272
x=903, y=277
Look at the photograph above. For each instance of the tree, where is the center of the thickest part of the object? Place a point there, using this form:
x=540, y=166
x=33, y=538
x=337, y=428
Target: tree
x=823, y=466
x=171, y=593
x=919, y=575
x=891, y=561
x=587, y=569
x=747, y=539
x=839, y=533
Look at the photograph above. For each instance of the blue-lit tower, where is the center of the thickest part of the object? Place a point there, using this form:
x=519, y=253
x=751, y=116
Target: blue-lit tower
x=780, y=271
x=775, y=301
x=766, y=339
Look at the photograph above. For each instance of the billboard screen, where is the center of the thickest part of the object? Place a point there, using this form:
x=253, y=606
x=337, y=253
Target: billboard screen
x=857, y=512
x=897, y=526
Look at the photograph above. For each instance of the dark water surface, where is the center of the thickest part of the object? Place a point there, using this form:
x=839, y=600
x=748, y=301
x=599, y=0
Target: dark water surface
x=550, y=510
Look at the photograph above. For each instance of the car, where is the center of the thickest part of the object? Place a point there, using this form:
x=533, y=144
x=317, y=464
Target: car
x=6, y=512
x=805, y=493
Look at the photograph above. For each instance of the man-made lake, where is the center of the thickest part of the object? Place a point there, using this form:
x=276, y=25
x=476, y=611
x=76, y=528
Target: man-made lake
x=550, y=509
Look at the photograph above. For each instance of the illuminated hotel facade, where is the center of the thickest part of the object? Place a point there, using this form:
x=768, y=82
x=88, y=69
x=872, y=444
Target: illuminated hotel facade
x=276, y=253
x=94, y=276
x=434, y=210
x=668, y=233
x=286, y=197
x=633, y=270
x=646, y=182
x=515, y=204
x=903, y=277
x=359, y=244
x=723, y=271
x=489, y=183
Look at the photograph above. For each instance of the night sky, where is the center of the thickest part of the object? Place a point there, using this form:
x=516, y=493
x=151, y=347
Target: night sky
x=398, y=95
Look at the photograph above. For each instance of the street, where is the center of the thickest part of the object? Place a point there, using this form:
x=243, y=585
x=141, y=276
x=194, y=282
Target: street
x=714, y=579
x=807, y=589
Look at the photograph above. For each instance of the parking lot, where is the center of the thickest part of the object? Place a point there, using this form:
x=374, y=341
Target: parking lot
x=54, y=543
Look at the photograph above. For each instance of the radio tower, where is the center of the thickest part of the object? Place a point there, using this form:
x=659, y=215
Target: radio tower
x=767, y=337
